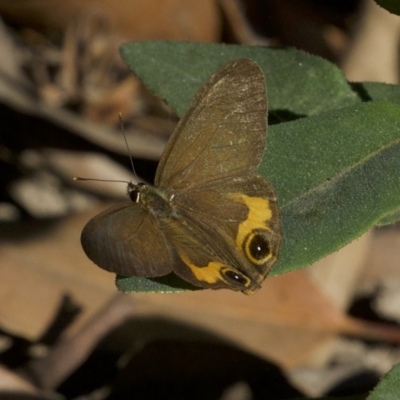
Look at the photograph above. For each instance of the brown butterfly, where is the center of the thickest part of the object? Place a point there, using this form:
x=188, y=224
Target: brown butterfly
x=209, y=217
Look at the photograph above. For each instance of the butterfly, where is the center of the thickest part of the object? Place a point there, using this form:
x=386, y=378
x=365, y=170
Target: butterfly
x=209, y=218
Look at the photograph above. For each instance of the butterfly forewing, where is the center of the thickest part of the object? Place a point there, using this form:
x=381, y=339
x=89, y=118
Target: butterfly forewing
x=223, y=131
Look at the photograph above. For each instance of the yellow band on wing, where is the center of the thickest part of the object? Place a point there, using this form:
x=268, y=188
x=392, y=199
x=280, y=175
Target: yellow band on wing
x=216, y=272
x=259, y=214
x=257, y=219
x=211, y=273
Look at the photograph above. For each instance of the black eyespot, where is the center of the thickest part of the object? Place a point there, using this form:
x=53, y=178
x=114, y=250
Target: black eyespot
x=259, y=247
x=235, y=276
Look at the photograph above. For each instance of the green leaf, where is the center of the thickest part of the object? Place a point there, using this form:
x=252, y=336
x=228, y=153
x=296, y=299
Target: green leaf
x=392, y=6
x=389, y=387
x=386, y=92
x=297, y=82
x=380, y=91
x=336, y=176
x=164, y=284
x=357, y=397
x=389, y=219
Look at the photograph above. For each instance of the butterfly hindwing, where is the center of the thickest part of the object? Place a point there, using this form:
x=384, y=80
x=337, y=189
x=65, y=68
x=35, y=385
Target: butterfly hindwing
x=221, y=226
x=126, y=239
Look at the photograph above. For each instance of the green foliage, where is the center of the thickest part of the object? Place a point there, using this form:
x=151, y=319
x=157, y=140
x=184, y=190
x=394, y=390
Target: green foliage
x=298, y=83
x=380, y=91
x=389, y=387
x=163, y=284
x=392, y=6
x=336, y=174
x=333, y=158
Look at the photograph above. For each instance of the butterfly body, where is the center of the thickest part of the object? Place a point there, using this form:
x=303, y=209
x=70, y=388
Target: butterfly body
x=209, y=217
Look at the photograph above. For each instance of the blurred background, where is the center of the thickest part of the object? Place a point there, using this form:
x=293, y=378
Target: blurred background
x=65, y=332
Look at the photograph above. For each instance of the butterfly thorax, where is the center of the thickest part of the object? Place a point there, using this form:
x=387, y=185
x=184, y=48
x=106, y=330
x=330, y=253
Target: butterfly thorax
x=152, y=198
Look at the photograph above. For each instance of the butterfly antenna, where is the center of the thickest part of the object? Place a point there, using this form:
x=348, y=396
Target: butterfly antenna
x=78, y=178
x=121, y=124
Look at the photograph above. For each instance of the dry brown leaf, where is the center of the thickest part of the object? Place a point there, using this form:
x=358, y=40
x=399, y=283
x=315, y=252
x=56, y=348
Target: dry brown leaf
x=123, y=99
x=240, y=28
x=13, y=386
x=62, y=121
x=133, y=19
x=40, y=263
x=372, y=54
x=286, y=321
x=66, y=356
